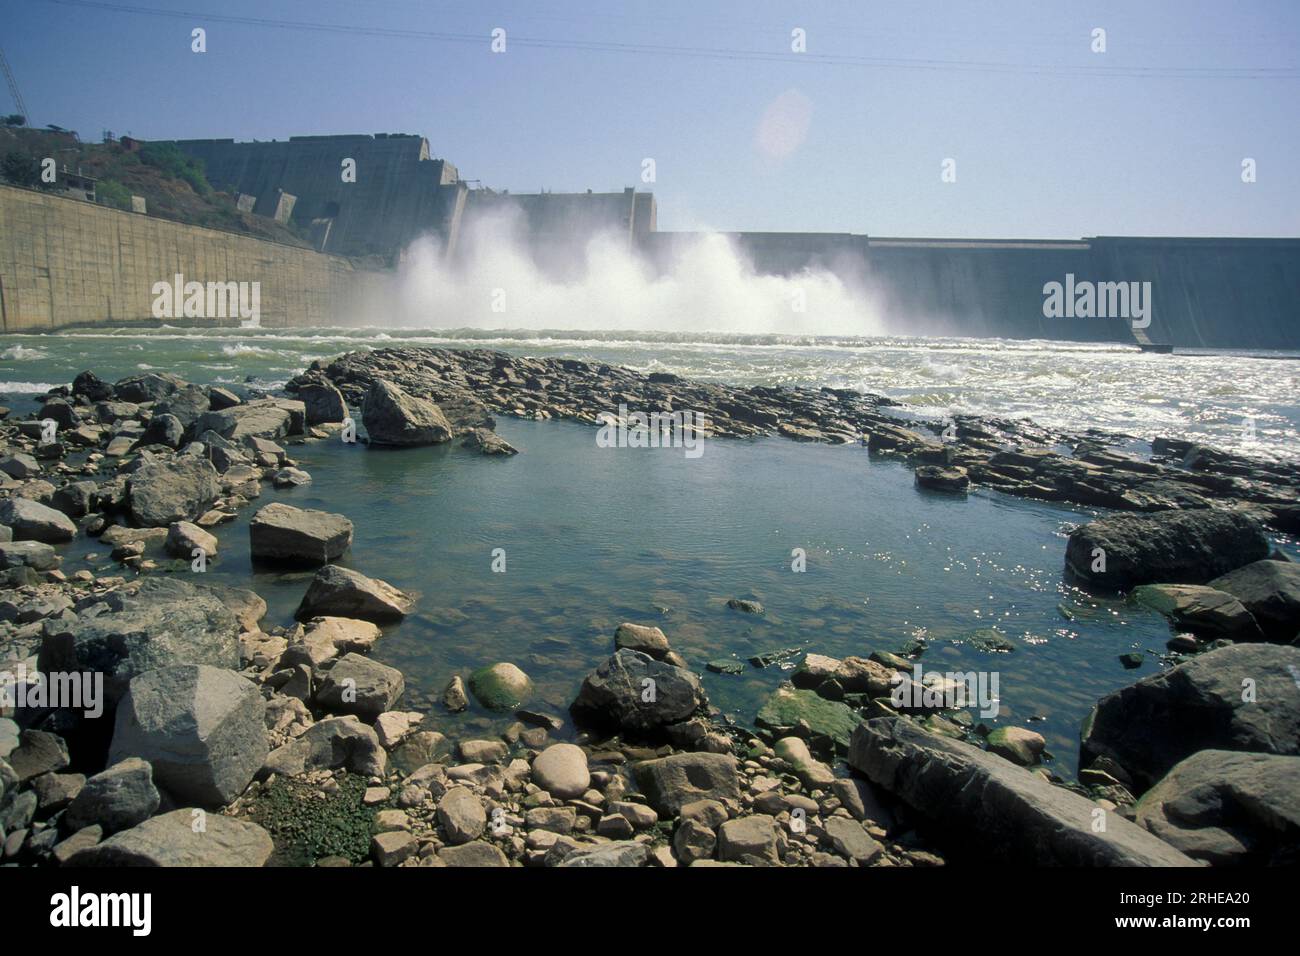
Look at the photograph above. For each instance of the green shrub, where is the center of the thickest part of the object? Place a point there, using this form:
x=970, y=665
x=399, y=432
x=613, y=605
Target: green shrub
x=19, y=169
x=169, y=158
x=113, y=194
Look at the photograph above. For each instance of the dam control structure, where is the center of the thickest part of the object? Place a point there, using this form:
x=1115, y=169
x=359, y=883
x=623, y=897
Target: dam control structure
x=361, y=200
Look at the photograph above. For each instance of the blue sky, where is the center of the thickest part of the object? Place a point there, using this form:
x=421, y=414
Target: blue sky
x=1050, y=139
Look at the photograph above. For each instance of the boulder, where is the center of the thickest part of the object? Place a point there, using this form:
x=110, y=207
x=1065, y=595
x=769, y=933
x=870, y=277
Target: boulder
x=393, y=417
x=488, y=442
x=750, y=841
x=201, y=728
x=119, y=798
x=184, y=538
x=1201, y=609
x=161, y=623
x=1240, y=698
x=38, y=752
x=20, y=466
x=670, y=783
x=789, y=712
x=280, y=532
x=33, y=554
x=462, y=815
x=323, y=403
x=812, y=773
x=951, y=478
x=1171, y=547
x=637, y=693
x=185, y=405
x=1005, y=813
x=639, y=637
x=561, y=770
x=620, y=853
x=160, y=492
x=259, y=419
x=1270, y=591
x=33, y=521
x=328, y=744
x=248, y=606
x=1017, y=744
x=150, y=387
x=1228, y=808
x=849, y=839
x=163, y=430
x=92, y=386
x=477, y=854
x=172, y=839
x=341, y=592
x=500, y=686
x=358, y=685
x=76, y=499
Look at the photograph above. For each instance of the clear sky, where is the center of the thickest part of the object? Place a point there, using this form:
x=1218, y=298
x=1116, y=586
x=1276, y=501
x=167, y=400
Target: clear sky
x=1050, y=139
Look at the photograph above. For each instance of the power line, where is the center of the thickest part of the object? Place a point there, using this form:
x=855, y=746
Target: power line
x=648, y=49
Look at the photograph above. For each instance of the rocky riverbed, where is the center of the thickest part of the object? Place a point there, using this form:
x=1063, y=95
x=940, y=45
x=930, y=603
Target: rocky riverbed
x=216, y=741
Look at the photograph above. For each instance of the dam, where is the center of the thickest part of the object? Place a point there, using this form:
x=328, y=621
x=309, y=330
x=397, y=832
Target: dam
x=66, y=262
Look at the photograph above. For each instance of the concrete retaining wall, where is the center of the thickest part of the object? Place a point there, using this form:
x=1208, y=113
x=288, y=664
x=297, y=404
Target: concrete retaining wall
x=65, y=262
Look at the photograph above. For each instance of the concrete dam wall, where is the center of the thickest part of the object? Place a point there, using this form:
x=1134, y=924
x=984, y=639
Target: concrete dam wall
x=64, y=262
x=1204, y=293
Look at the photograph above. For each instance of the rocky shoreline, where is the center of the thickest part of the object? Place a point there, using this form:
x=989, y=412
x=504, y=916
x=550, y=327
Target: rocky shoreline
x=220, y=742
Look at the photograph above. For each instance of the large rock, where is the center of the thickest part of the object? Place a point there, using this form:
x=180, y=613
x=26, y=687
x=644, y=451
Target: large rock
x=119, y=798
x=462, y=815
x=323, y=402
x=1270, y=591
x=789, y=712
x=750, y=841
x=163, y=622
x=202, y=730
x=669, y=783
x=330, y=743
x=359, y=685
x=175, y=839
x=160, y=492
x=265, y=418
x=150, y=387
x=637, y=693
x=1171, y=547
x=620, y=853
x=185, y=405
x=643, y=638
x=36, y=555
x=1228, y=808
x=33, y=521
x=1005, y=813
x=501, y=686
x=280, y=532
x=393, y=417
x=341, y=592
x=561, y=770
x=1201, y=609
x=1242, y=697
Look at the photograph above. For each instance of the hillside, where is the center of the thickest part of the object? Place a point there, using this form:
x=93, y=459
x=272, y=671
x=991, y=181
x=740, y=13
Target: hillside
x=172, y=185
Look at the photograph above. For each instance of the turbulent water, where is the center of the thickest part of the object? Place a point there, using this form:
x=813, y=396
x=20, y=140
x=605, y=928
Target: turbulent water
x=594, y=536
x=1245, y=402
